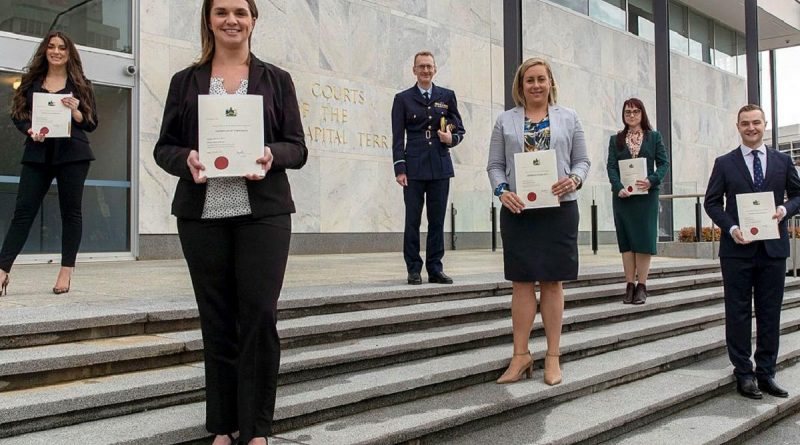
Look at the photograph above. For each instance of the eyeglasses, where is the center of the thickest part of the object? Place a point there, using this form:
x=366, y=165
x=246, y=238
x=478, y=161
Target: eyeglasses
x=632, y=112
x=425, y=67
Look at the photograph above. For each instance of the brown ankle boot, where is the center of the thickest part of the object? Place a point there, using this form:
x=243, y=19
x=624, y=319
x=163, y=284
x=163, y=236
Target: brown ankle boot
x=628, y=298
x=640, y=295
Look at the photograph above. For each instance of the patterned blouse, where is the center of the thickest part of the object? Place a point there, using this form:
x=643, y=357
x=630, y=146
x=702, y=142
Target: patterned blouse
x=634, y=141
x=537, y=134
x=226, y=197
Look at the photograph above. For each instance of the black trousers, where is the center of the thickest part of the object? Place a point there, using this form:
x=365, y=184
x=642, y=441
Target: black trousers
x=414, y=196
x=34, y=182
x=237, y=267
x=749, y=282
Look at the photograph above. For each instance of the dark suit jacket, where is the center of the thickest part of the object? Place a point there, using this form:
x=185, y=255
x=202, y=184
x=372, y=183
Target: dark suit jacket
x=414, y=154
x=283, y=133
x=731, y=177
x=72, y=149
x=652, y=149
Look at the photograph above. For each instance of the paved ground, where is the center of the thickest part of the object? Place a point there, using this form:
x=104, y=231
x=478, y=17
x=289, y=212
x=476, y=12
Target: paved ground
x=107, y=281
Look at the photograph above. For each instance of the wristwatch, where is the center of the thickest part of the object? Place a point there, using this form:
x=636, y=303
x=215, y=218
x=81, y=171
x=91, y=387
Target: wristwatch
x=577, y=180
x=500, y=189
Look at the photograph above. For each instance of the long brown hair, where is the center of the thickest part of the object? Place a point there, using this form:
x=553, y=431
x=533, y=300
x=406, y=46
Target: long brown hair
x=37, y=70
x=208, y=46
x=646, y=128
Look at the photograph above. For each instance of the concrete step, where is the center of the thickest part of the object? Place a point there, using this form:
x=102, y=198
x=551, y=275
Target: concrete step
x=29, y=367
x=26, y=327
x=727, y=418
x=609, y=413
x=783, y=432
x=310, y=402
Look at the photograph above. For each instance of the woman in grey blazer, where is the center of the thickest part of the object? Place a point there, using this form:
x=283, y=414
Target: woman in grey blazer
x=538, y=244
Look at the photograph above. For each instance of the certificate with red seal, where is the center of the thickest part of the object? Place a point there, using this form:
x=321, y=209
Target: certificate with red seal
x=50, y=117
x=535, y=173
x=630, y=171
x=231, y=134
x=755, y=216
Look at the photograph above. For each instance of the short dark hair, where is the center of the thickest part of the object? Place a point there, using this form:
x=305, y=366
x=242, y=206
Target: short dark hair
x=750, y=107
x=424, y=53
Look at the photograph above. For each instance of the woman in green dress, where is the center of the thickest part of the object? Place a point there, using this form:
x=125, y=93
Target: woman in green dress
x=636, y=215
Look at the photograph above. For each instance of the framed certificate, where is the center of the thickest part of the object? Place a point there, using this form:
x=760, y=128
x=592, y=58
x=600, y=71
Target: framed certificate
x=231, y=134
x=536, y=173
x=50, y=117
x=630, y=171
x=755, y=216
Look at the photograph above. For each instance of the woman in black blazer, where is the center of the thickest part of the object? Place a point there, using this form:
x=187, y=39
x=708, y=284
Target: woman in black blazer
x=54, y=68
x=234, y=231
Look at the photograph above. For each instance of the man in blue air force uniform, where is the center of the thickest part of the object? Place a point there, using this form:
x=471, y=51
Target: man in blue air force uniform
x=425, y=125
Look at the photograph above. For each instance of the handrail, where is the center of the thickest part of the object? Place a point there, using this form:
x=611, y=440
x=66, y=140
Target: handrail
x=688, y=195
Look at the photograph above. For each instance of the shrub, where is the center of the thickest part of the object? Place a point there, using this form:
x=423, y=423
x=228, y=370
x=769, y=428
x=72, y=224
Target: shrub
x=686, y=234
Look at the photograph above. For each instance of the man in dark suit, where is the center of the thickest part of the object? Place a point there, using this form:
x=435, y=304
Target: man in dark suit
x=752, y=271
x=425, y=125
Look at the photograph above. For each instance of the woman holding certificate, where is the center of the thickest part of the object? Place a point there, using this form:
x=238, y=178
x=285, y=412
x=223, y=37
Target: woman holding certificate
x=234, y=227
x=54, y=107
x=637, y=163
x=537, y=162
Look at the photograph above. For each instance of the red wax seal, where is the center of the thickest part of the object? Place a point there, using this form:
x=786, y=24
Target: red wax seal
x=531, y=196
x=630, y=188
x=221, y=163
x=44, y=130
x=754, y=231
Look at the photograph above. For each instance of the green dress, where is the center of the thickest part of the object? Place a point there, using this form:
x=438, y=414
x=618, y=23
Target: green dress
x=636, y=217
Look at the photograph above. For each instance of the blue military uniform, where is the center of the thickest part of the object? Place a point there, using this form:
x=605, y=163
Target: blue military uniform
x=418, y=152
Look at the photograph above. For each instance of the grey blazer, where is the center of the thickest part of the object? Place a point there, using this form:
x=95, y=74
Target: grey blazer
x=566, y=138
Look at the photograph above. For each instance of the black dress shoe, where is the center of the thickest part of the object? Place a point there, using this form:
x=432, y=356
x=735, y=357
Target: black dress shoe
x=440, y=278
x=746, y=386
x=769, y=386
x=629, y=289
x=640, y=295
x=414, y=278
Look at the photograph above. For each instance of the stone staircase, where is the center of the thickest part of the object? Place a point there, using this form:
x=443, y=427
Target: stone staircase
x=397, y=364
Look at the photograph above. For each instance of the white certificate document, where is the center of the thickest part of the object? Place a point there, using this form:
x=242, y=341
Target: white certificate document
x=535, y=175
x=630, y=171
x=231, y=134
x=755, y=216
x=50, y=117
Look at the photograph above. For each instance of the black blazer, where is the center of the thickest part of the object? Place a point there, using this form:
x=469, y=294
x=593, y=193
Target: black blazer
x=731, y=177
x=74, y=149
x=283, y=133
x=413, y=120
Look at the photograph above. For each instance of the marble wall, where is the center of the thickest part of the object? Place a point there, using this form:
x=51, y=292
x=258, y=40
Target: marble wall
x=349, y=57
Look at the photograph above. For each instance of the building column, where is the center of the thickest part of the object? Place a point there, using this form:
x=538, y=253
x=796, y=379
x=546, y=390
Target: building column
x=773, y=78
x=664, y=108
x=512, y=45
x=751, y=43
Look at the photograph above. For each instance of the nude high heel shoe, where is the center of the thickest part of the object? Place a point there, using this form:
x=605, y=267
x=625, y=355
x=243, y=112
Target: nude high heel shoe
x=4, y=286
x=552, y=369
x=511, y=375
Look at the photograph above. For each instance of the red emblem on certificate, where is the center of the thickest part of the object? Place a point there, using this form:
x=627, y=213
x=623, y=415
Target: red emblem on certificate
x=630, y=188
x=44, y=131
x=221, y=163
x=531, y=197
x=754, y=231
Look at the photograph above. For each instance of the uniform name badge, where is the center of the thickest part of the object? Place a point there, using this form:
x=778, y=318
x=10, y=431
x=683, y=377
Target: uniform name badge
x=755, y=216
x=50, y=117
x=630, y=171
x=535, y=173
x=231, y=134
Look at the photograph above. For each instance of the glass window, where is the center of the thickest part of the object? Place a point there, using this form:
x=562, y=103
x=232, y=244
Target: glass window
x=741, y=55
x=701, y=37
x=785, y=147
x=725, y=48
x=640, y=19
x=678, y=28
x=106, y=198
x=104, y=24
x=608, y=11
x=581, y=6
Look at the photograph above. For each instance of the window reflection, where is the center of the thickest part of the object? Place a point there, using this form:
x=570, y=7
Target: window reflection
x=611, y=12
x=104, y=24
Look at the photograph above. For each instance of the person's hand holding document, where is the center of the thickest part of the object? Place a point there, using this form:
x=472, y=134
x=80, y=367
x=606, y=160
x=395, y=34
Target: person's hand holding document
x=535, y=175
x=757, y=220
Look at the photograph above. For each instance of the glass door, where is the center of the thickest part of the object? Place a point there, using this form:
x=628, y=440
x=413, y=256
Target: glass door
x=103, y=31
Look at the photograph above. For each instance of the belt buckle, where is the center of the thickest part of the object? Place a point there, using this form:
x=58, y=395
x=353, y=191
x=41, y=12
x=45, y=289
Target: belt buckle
x=427, y=134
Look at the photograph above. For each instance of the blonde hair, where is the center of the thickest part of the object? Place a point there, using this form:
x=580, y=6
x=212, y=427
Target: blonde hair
x=516, y=88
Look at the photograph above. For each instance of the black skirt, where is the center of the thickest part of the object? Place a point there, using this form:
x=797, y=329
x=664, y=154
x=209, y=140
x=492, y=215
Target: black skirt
x=541, y=244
